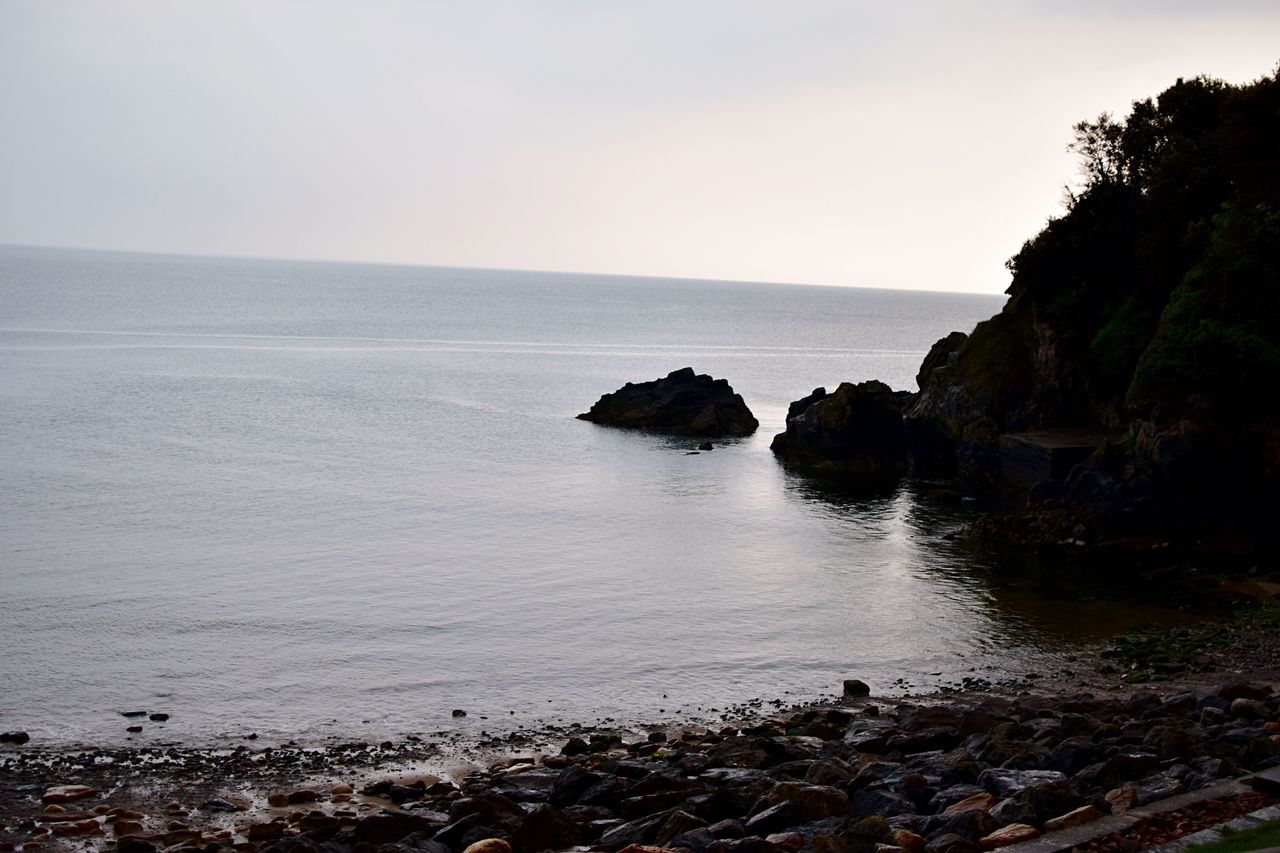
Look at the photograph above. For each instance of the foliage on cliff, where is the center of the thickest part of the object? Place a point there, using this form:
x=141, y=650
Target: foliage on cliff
x=1157, y=289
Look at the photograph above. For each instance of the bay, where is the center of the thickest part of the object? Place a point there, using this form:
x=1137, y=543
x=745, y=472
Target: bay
x=317, y=499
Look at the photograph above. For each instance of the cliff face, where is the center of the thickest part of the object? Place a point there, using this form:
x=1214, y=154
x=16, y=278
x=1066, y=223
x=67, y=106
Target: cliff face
x=1151, y=308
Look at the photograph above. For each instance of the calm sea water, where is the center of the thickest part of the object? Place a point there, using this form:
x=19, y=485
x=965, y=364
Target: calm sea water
x=310, y=499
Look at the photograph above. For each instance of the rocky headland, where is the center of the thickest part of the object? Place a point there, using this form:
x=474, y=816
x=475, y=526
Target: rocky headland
x=682, y=403
x=1123, y=394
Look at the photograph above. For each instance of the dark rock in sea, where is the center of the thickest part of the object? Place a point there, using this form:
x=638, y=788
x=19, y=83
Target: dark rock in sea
x=458, y=712
x=133, y=730
x=683, y=403
x=14, y=737
x=159, y=718
x=855, y=434
x=856, y=687
x=574, y=746
x=133, y=714
x=706, y=445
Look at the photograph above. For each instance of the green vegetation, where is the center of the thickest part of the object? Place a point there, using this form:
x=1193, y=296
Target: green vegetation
x=1260, y=837
x=1219, y=334
x=1158, y=653
x=1159, y=285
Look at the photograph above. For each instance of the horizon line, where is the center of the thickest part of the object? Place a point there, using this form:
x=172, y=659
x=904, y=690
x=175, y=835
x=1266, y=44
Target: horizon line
x=422, y=265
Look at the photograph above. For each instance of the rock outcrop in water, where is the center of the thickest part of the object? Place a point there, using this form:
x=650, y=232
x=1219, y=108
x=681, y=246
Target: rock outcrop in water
x=855, y=434
x=683, y=403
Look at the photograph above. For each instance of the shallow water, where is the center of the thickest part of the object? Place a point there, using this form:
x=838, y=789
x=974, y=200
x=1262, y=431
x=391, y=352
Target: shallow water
x=310, y=499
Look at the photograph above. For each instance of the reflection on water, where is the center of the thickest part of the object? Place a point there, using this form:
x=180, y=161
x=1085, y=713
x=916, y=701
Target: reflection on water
x=1051, y=602
x=321, y=508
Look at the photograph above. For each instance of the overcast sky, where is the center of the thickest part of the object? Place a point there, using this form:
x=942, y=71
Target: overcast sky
x=826, y=141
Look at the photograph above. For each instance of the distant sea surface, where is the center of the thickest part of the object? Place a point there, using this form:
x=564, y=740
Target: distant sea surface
x=312, y=500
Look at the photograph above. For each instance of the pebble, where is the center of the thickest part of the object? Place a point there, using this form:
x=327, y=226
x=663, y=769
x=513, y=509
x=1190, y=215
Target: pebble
x=489, y=845
x=126, y=827
x=68, y=793
x=1084, y=814
x=78, y=828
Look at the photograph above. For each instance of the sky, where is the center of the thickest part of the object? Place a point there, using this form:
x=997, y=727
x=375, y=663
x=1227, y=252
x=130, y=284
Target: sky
x=906, y=145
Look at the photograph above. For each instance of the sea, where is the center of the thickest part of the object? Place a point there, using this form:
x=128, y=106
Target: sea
x=317, y=501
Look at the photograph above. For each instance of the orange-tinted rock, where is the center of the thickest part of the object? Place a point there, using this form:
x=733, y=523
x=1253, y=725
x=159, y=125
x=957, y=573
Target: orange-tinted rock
x=126, y=827
x=494, y=845
x=1084, y=814
x=1014, y=833
x=977, y=803
x=1122, y=799
x=64, y=816
x=125, y=814
x=68, y=793
x=909, y=841
x=76, y=829
x=786, y=840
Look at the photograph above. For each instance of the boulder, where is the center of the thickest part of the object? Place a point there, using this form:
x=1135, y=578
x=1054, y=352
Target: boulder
x=855, y=434
x=67, y=793
x=1014, y=833
x=812, y=802
x=546, y=828
x=683, y=403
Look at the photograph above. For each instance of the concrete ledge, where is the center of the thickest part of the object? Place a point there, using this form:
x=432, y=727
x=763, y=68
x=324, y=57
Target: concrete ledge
x=1065, y=839
x=1180, y=801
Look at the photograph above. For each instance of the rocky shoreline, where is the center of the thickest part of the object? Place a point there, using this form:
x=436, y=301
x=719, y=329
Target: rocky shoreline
x=964, y=770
